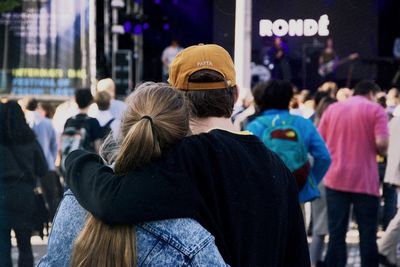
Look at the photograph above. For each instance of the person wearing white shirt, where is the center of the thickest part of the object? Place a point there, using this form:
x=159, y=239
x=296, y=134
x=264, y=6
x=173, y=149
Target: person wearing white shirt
x=168, y=56
x=104, y=115
x=117, y=107
x=387, y=245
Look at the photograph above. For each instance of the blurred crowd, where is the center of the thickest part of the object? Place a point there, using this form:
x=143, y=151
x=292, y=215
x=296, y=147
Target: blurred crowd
x=344, y=153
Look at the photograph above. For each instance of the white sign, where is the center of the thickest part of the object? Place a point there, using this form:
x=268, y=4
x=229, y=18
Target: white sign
x=295, y=27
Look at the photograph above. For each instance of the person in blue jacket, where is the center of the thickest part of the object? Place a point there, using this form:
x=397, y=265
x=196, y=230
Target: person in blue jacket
x=272, y=102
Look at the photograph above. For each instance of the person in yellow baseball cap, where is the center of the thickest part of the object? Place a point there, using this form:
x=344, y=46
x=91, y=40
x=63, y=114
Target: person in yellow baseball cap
x=202, y=57
x=229, y=182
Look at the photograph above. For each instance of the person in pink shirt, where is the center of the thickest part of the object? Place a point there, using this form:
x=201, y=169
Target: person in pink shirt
x=355, y=131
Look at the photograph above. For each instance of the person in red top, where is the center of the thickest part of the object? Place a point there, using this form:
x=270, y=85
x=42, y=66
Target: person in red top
x=355, y=131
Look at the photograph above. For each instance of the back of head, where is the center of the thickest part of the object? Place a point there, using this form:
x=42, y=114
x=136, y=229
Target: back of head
x=207, y=76
x=275, y=94
x=330, y=87
x=343, y=94
x=83, y=98
x=156, y=117
x=211, y=103
x=106, y=85
x=320, y=95
x=365, y=87
x=323, y=104
x=103, y=100
x=13, y=126
x=47, y=109
x=304, y=96
x=31, y=104
x=393, y=93
x=393, y=96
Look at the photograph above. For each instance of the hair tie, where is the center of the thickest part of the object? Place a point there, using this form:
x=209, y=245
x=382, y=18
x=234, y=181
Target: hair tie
x=147, y=118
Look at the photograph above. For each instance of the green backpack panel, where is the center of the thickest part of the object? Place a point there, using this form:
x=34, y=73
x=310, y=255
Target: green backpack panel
x=284, y=138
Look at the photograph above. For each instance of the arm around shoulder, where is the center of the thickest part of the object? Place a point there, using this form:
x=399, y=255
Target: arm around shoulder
x=144, y=194
x=87, y=176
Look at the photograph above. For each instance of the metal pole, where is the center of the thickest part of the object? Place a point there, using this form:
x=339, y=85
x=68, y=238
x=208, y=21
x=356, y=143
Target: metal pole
x=92, y=46
x=84, y=65
x=114, y=41
x=3, y=83
x=138, y=47
x=114, y=34
x=107, y=29
x=243, y=46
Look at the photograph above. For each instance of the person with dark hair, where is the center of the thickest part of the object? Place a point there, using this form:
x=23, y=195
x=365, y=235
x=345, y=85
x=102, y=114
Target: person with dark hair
x=366, y=88
x=93, y=130
x=46, y=136
x=355, y=131
x=321, y=105
x=22, y=162
x=31, y=104
x=328, y=55
x=274, y=94
x=83, y=98
x=46, y=109
x=278, y=56
x=228, y=181
x=299, y=134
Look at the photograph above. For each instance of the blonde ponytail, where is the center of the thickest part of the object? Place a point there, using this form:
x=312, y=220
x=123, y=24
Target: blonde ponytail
x=102, y=245
x=157, y=116
x=136, y=148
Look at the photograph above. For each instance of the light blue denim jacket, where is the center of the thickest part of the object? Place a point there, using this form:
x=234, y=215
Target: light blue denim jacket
x=313, y=142
x=177, y=242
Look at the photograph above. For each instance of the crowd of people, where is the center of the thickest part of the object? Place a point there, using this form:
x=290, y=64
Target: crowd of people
x=178, y=175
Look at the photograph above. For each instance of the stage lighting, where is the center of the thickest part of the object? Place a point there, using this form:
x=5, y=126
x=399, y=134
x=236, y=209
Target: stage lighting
x=146, y=26
x=166, y=27
x=127, y=26
x=137, y=30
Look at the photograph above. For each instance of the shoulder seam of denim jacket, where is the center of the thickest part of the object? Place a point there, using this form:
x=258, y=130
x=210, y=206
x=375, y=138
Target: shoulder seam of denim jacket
x=189, y=250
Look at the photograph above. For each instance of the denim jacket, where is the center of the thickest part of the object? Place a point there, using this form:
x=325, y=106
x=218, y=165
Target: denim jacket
x=177, y=242
x=314, y=144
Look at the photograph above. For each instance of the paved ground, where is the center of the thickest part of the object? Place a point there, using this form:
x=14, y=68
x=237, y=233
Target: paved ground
x=40, y=247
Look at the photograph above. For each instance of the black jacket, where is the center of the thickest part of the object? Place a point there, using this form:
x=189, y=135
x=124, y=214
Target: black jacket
x=232, y=184
x=17, y=182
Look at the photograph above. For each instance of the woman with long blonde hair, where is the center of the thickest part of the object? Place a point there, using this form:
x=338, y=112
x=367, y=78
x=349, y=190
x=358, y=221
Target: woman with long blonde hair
x=157, y=117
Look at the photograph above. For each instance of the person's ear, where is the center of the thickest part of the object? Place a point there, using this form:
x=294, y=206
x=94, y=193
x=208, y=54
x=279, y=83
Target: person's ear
x=235, y=93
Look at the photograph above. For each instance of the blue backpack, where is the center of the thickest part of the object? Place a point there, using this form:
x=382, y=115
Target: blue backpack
x=284, y=138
